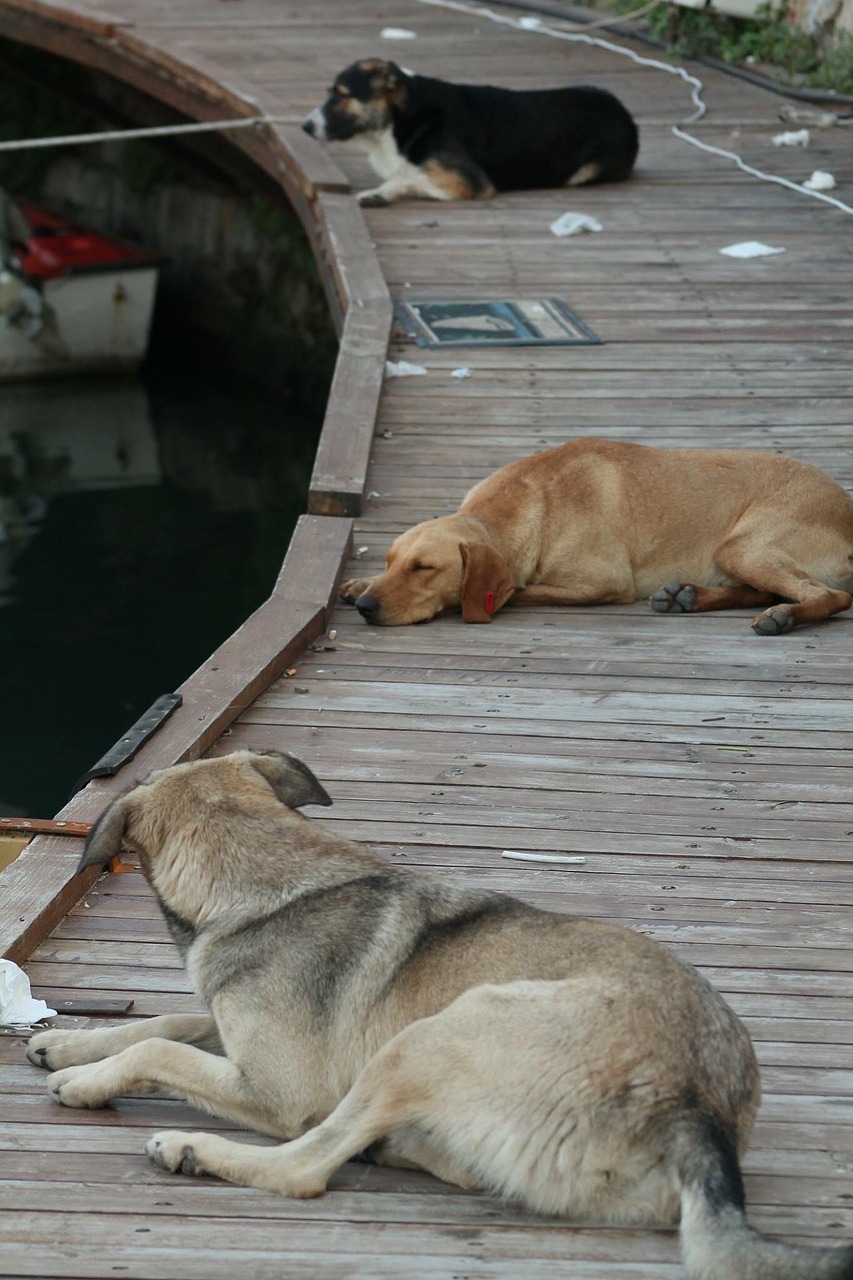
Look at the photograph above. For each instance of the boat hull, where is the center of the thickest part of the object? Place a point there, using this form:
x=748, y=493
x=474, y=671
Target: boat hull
x=94, y=322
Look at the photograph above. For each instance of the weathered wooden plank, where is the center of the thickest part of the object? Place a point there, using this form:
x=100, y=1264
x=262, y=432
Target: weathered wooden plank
x=490, y=670
x=694, y=753
x=36, y=1183
x=634, y=730
x=573, y=703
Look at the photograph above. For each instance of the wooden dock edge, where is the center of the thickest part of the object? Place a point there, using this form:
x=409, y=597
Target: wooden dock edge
x=40, y=886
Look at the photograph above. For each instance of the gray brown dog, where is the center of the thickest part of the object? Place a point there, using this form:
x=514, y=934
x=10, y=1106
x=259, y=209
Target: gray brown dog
x=576, y=1067
x=601, y=522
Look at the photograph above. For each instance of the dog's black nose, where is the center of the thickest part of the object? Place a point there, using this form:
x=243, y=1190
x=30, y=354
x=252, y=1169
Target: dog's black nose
x=368, y=606
x=308, y=126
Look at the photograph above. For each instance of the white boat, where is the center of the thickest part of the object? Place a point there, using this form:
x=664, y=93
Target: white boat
x=71, y=300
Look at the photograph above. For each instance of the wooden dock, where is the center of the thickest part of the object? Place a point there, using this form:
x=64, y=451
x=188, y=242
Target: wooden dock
x=702, y=772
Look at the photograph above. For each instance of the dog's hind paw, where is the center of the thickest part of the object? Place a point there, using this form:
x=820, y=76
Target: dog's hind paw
x=373, y=199
x=173, y=1151
x=675, y=597
x=773, y=622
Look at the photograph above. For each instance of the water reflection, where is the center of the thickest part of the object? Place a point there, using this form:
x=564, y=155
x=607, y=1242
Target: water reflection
x=140, y=522
x=60, y=440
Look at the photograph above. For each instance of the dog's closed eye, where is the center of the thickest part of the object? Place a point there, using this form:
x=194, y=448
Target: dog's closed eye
x=422, y=568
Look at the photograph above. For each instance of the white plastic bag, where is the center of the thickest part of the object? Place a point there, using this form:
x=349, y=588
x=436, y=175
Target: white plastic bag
x=17, y=1006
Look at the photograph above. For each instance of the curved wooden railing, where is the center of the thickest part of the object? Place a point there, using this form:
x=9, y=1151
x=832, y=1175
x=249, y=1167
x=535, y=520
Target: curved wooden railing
x=39, y=888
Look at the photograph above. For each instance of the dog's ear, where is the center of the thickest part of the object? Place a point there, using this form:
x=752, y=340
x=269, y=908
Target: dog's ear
x=291, y=780
x=104, y=840
x=486, y=581
x=393, y=77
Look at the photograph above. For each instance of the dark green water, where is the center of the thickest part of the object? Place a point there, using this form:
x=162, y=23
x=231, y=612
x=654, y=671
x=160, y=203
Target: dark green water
x=141, y=520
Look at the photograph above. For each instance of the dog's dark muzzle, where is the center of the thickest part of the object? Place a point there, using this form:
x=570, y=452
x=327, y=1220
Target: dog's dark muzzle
x=330, y=123
x=368, y=606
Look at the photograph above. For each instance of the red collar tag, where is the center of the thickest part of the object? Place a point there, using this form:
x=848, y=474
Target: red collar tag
x=489, y=602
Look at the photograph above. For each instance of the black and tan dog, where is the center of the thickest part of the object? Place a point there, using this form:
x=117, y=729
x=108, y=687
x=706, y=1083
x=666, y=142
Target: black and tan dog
x=443, y=141
x=577, y=1067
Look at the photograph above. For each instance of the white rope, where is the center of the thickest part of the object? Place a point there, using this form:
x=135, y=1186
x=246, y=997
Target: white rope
x=759, y=173
x=535, y=26
x=123, y=135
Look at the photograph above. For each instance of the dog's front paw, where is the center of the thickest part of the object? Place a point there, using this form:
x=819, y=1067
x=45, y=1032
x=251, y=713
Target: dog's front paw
x=773, y=622
x=52, y=1050
x=675, y=597
x=350, y=591
x=41, y=1048
x=173, y=1151
x=79, y=1087
x=372, y=199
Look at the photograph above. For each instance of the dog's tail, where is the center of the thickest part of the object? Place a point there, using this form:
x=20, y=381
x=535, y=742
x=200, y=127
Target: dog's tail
x=717, y=1242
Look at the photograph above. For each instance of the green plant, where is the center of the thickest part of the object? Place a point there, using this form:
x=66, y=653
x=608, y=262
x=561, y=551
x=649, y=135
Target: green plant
x=279, y=223
x=836, y=70
x=769, y=39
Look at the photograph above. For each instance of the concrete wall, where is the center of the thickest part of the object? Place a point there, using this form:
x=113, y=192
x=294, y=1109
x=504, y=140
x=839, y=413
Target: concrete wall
x=240, y=274
x=822, y=17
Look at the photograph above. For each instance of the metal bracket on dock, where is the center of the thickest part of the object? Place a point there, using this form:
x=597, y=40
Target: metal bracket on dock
x=128, y=745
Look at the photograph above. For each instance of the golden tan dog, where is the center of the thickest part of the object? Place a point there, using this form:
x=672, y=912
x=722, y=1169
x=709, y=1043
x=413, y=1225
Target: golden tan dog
x=599, y=522
x=577, y=1067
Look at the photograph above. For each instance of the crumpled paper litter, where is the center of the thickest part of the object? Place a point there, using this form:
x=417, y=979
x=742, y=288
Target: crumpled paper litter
x=569, y=224
x=794, y=138
x=820, y=181
x=749, y=249
x=402, y=369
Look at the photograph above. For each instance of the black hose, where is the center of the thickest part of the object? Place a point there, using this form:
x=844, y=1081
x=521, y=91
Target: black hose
x=583, y=16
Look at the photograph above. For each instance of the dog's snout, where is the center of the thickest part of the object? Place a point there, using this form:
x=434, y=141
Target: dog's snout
x=368, y=606
x=315, y=124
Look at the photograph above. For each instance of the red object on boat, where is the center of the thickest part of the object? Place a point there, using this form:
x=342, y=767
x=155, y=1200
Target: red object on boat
x=58, y=248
